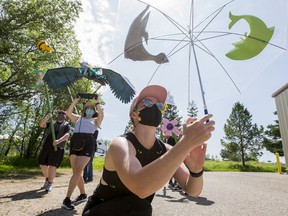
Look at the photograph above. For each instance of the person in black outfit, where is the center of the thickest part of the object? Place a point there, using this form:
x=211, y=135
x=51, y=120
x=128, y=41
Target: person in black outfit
x=88, y=170
x=49, y=159
x=139, y=164
x=172, y=183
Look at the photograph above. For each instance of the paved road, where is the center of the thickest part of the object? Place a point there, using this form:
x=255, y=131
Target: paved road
x=224, y=194
x=230, y=194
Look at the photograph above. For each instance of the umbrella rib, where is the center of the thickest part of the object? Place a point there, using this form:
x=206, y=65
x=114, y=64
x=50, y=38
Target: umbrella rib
x=174, y=22
x=221, y=65
x=217, y=10
x=213, y=37
x=234, y=33
x=154, y=74
x=168, y=55
x=171, y=54
x=153, y=38
x=131, y=47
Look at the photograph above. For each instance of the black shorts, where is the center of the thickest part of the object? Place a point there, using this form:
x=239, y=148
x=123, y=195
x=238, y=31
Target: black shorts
x=129, y=205
x=49, y=157
x=88, y=148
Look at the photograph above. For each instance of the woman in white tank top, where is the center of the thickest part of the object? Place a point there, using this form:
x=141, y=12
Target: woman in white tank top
x=82, y=144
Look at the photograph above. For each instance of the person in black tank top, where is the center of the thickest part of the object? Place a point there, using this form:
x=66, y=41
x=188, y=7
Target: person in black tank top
x=138, y=164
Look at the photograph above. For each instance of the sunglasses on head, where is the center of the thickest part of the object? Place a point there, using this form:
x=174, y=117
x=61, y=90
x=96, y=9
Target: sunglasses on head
x=149, y=103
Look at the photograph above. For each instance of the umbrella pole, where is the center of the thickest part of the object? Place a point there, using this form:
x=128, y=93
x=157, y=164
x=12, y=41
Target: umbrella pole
x=200, y=82
x=49, y=110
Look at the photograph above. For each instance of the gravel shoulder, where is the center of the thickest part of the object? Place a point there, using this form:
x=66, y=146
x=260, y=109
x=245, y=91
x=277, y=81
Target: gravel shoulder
x=21, y=195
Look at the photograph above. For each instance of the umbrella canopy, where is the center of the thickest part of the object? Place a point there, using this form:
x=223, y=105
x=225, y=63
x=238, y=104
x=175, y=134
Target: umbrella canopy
x=221, y=44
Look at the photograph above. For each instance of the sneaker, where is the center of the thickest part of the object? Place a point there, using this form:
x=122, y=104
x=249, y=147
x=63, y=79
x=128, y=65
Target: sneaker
x=88, y=180
x=81, y=198
x=177, y=188
x=67, y=204
x=44, y=185
x=171, y=186
x=48, y=187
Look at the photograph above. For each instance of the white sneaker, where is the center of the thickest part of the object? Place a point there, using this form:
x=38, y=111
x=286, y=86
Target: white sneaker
x=48, y=187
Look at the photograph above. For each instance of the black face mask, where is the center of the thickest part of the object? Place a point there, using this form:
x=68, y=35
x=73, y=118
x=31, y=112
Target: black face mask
x=150, y=116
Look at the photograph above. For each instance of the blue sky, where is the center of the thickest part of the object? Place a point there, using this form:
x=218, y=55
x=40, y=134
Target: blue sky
x=102, y=29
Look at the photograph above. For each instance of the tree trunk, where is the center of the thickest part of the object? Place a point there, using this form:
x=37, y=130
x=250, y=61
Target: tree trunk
x=242, y=155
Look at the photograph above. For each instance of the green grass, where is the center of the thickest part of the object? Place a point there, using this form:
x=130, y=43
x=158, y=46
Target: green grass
x=230, y=166
x=13, y=166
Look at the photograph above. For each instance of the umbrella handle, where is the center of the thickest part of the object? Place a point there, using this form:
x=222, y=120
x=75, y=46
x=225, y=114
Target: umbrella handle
x=206, y=112
x=49, y=110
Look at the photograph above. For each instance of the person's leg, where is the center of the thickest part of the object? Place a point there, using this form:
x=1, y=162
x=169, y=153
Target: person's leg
x=43, y=164
x=44, y=170
x=51, y=174
x=54, y=160
x=78, y=163
x=90, y=170
x=81, y=186
x=85, y=173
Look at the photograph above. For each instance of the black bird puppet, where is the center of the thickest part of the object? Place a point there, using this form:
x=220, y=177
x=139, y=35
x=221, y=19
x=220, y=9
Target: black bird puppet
x=62, y=77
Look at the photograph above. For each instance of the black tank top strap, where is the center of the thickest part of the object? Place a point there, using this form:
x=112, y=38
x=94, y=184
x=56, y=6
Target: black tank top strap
x=135, y=142
x=146, y=156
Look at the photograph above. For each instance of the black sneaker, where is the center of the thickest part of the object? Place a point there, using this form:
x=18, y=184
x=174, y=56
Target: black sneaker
x=88, y=180
x=81, y=198
x=67, y=204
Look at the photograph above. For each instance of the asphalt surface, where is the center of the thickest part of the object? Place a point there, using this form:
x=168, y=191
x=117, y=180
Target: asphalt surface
x=224, y=193
x=227, y=193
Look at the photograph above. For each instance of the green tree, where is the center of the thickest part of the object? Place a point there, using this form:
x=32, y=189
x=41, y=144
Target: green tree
x=22, y=24
x=192, y=110
x=272, y=140
x=172, y=111
x=243, y=140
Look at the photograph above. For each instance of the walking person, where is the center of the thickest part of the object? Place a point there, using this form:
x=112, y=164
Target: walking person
x=49, y=159
x=88, y=170
x=172, y=182
x=139, y=164
x=82, y=145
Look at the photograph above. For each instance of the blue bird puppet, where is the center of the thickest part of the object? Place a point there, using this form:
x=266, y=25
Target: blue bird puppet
x=62, y=77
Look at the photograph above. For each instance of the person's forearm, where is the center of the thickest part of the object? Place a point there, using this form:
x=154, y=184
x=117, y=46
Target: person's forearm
x=62, y=139
x=194, y=186
x=71, y=107
x=162, y=168
x=100, y=116
x=44, y=121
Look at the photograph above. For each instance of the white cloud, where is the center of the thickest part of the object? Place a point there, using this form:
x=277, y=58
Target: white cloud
x=95, y=29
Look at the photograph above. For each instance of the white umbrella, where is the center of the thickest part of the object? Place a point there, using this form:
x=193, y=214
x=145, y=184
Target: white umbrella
x=199, y=39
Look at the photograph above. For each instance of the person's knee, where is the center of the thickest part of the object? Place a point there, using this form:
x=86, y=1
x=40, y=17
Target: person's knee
x=77, y=171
